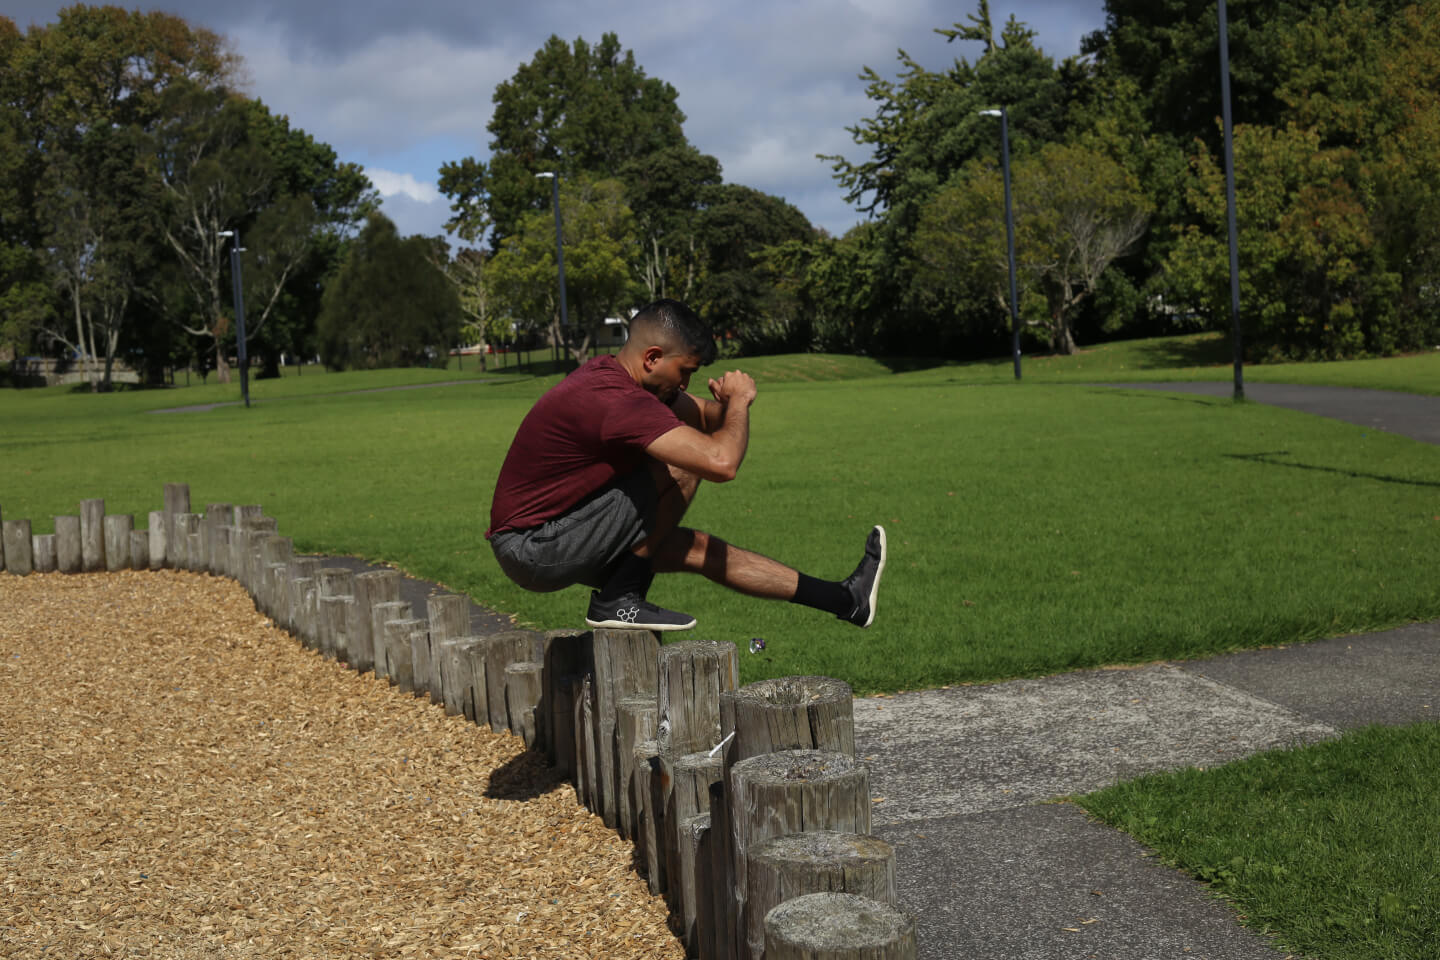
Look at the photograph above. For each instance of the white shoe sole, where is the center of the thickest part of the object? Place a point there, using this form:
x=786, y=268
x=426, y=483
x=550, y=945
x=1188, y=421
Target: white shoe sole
x=875, y=584
x=622, y=625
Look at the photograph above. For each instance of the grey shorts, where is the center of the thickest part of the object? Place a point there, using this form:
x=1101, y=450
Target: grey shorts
x=585, y=544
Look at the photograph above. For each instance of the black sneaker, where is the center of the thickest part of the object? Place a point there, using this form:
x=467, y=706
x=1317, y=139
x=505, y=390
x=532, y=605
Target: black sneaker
x=864, y=583
x=632, y=611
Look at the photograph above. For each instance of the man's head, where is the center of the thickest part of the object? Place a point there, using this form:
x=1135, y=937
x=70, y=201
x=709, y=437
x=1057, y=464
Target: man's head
x=668, y=342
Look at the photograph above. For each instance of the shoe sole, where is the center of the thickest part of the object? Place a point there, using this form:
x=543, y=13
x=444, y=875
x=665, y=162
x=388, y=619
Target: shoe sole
x=875, y=584
x=623, y=625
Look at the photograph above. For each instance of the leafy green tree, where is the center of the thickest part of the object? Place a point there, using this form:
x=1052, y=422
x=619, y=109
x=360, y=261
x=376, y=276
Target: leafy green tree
x=664, y=189
x=824, y=291
x=388, y=306
x=1312, y=285
x=1075, y=211
x=574, y=109
x=599, y=230
x=735, y=226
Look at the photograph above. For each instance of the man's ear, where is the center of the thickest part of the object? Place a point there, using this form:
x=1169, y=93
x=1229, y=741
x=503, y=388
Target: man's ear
x=653, y=354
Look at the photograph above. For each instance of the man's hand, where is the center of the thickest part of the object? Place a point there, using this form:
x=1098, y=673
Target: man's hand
x=734, y=387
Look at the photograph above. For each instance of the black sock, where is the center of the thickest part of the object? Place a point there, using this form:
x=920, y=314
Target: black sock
x=631, y=575
x=829, y=595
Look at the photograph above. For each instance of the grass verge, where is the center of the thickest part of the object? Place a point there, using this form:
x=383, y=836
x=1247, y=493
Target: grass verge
x=1333, y=849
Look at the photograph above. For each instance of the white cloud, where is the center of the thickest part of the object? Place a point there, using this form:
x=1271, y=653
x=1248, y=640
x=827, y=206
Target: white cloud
x=391, y=184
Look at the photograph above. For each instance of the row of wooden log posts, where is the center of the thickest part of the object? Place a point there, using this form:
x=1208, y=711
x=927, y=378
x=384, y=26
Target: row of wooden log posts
x=660, y=741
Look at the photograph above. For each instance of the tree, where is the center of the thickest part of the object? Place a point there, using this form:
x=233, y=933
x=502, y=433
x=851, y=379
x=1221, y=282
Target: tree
x=664, y=189
x=573, y=109
x=598, y=229
x=1075, y=211
x=388, y=306
x=468, y=273
x=736, y=225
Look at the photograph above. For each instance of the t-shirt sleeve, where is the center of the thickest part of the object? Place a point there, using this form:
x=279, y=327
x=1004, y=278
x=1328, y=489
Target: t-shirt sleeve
x=638, y=421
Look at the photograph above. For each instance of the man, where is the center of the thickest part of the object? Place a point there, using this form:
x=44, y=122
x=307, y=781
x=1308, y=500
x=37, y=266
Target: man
x=605, y=464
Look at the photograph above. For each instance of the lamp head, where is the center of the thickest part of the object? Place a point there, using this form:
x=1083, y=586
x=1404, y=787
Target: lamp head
x=226, y=233
x=544, y=176
x=990, y=113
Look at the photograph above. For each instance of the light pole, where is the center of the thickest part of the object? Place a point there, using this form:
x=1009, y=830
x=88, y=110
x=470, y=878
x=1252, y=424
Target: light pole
x=235, y=251
x=1239, y=393
x=554, y=179
x=1009, y=231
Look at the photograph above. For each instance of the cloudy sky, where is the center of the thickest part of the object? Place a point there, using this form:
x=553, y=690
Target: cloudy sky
x=402, y=87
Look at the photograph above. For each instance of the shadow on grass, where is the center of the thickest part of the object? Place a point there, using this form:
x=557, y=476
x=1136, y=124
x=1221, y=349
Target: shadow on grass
x=1271, y=459
x=1167, y=353
x=1202, y=400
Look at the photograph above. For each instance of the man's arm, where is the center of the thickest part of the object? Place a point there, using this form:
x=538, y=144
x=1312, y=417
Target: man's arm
x=714, y=454
x=698, y=412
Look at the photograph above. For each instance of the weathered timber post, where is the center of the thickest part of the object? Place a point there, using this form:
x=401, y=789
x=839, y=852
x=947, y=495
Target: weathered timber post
x=299, y=569
x=92, y=535
x=276, y=553
x=42, y=552
x=823, y=861
x=335, y=620
x=217, y=515
x=692, y=676
x=722, y=935
x=118, y=527
x=696, y=849
x=789, y=792
x=371, y=587
x=158, y=539
x=19, y=550
x=332, y=582
x=305, y=610
x=177, y=500
x=68, y=551
x=568, y=654
x=501, y=650
x=398, y=666
x=249, y=557
x=139, y=550
x=650, y=812
x=838, y=926
x=449, y=620
x=522, y=700
x=636, y=721
x=686, y=798
x=625, y=666
x=187, y=541
x=586, y=764
x=464, y=691
x=419, y=638
x=381, y=614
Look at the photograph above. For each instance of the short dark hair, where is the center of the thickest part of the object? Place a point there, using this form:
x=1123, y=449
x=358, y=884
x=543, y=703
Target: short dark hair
x=672, y=321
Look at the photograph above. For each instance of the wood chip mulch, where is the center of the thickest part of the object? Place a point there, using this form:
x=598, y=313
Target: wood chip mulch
x=179, y=778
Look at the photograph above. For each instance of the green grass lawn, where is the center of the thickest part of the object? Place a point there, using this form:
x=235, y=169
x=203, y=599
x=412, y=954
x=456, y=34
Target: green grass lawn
x=1334, y=849
x=1033, y=529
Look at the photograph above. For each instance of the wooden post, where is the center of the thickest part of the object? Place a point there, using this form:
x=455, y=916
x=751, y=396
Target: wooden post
x=722, y=936
x=698, y=921
x=118, y=527
x=522, y=700
x=177, y=500
x=625, y=665
x=691, y=676
x=186, y=527
x=790, y=713
x=587, y=766
x=68, y=551
x=139, y=550
x=449, y=620
x=158, y=539
x=332, y=582
x=371, y=587
x=838, y=926
x=635, y=722
x=398, y=665
x=275, y=555
x=92, y=535
x=501, y=650
x=464, y=690
x=420, y=667
x=305, y=611
x=568, y=653
x=19, y=550
x=688, y=797
x=335, y=626
x=381, y=614
x=823, y=861
x=217, y=515
x=300, y=576
x=42, y=552
x=644, y=799
x=789, y=792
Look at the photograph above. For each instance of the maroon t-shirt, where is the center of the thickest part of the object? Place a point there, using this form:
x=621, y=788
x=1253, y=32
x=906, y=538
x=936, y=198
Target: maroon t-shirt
x=584, y=432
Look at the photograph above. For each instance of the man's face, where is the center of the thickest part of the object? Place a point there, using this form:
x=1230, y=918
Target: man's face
x=671, y=374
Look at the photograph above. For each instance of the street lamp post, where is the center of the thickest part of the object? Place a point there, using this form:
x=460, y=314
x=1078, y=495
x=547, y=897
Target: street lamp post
x=1239, y=393
x=235, y=251
x=1004, y=116
x=554, y=179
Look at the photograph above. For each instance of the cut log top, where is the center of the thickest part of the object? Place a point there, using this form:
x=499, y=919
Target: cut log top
x=796, y=766
x=838, y=924
x=793, y=691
